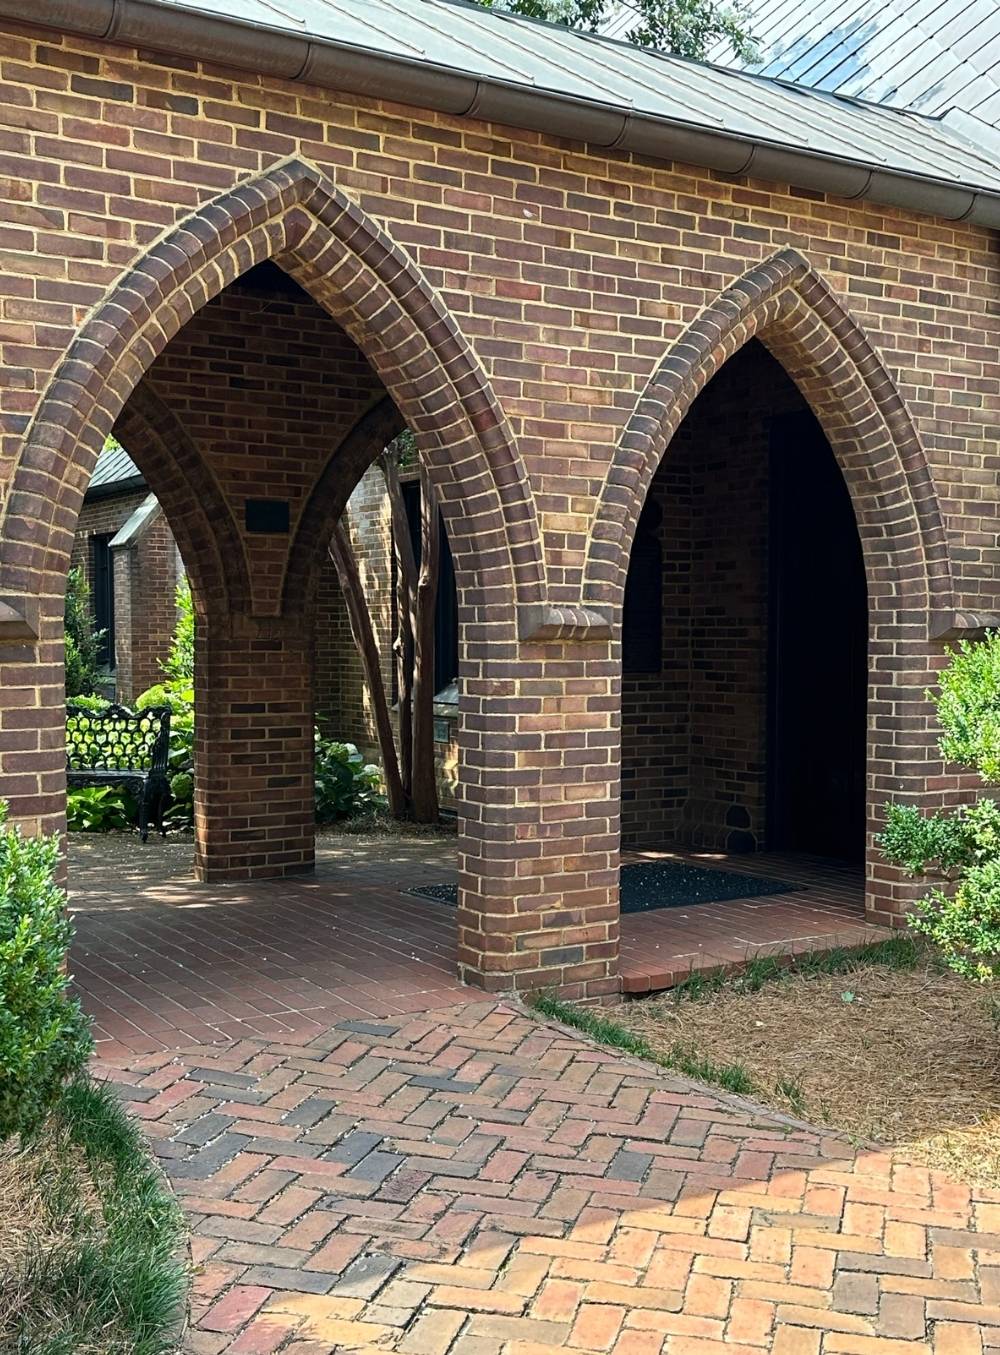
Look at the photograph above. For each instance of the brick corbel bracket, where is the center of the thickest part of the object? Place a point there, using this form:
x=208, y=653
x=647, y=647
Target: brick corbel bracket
x=963, y=625
x=541, y=622
x=18, y=620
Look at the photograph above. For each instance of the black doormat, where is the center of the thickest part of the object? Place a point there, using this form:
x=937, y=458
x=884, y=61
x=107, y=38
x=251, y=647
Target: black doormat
x=648, y=885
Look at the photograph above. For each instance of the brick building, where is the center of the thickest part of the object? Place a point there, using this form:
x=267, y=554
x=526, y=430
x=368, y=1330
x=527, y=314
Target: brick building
x=644, y=317
x=125, y=548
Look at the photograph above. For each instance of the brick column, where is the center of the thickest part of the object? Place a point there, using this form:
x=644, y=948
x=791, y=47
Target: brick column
x=539, y=825
x=254, y=814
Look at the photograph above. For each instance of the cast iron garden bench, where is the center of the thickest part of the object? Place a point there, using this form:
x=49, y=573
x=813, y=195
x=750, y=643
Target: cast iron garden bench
x=120, y=747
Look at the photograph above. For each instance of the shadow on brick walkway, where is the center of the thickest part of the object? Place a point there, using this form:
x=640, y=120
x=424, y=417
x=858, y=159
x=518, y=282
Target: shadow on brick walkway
x=471, y=1181
x=372, y=1160
x=160, y=958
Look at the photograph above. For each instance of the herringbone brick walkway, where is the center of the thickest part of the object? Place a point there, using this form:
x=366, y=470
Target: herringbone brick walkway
x=472, y=1181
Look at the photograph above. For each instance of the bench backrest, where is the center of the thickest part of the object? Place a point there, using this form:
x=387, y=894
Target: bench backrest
x=117, y=739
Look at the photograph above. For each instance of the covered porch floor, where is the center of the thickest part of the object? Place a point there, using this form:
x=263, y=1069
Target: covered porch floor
x=161, y=960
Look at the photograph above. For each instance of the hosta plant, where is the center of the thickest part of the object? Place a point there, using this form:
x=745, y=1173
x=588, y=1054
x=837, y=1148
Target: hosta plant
x=345, y=783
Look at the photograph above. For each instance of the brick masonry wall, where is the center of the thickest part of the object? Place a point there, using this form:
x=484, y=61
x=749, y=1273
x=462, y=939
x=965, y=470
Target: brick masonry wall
x=98, y=517
x=145, y=581
x=517, y=295
x=146, y=578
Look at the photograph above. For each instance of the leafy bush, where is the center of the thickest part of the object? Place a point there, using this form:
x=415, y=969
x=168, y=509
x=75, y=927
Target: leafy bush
x=179, y=663
x=345, y=783
x=44, y=1036
x=99, y=809
x=961, y=912
x=83, y=639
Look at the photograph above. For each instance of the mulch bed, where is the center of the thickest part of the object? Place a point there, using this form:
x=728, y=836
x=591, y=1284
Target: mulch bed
x=908, y=1057
x=650, y=885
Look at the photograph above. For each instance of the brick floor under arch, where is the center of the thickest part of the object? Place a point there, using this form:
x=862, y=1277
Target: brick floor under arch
x=160, y=957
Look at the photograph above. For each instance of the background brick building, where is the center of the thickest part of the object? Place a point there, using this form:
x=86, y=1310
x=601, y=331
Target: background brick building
x=127, y=553
x=555, y=263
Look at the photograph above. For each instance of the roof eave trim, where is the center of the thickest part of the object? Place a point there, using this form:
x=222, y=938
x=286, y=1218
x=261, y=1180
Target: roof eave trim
x=328, y=65
x=110, y=488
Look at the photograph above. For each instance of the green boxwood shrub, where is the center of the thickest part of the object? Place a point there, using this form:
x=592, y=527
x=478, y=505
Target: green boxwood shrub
x=959, y=850
x=44, y=1036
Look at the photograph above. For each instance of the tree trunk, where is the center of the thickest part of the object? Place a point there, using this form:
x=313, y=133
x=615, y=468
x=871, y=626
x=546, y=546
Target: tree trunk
x=359, y=616
x=406, y=608
x=424, y=794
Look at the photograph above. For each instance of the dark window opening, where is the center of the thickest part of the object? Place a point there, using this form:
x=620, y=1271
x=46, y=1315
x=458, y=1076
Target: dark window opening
x=642, y=613
x=446, y=602
x=104, y=597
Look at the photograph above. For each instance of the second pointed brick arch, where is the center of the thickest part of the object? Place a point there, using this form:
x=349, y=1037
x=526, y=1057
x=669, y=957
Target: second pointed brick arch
x=785, y=304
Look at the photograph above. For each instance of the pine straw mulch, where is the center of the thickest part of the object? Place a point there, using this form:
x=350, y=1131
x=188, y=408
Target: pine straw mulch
x=907, y=1057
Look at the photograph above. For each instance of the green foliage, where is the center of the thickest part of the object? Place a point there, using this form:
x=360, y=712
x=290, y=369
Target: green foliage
x=968, y=707
x=895, y=952
x=116, y=1282
x=963, y=918
x=44, y=1036
x=687, y=28
x=179, y=663
x=83, y=639
x=345, y=783
x=965, y=924
x=99, y=809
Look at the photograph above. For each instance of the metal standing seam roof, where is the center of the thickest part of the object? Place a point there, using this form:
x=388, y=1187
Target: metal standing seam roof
x=466, y=60
x=115, y=470
x=938, y=57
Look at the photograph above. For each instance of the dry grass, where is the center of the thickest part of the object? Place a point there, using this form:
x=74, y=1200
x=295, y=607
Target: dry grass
x=902, y=1056
x=46, y=1193
x=90, y=1239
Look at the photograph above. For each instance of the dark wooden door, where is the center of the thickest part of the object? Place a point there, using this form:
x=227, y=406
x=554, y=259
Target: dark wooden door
x=818, y=650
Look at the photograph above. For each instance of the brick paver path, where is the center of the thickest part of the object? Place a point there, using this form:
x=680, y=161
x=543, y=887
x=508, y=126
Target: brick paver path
x=471, y=1181
x=162, y=960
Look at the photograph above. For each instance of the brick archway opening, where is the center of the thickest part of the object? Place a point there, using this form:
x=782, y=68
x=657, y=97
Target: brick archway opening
x=184, y=330
x=833, y=372
x=745, y=633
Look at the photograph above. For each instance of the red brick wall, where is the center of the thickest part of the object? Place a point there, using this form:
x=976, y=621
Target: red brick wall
x=146, y=578
x=145, y=582
x=542, y=313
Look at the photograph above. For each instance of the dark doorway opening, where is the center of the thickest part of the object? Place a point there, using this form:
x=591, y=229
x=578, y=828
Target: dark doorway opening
x=818, y=650
x=104, y=597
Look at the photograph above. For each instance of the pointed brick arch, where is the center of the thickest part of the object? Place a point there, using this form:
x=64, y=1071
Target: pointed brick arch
x=297, y=217
x=196, y=509
x=348, y=463
x=785, y=304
